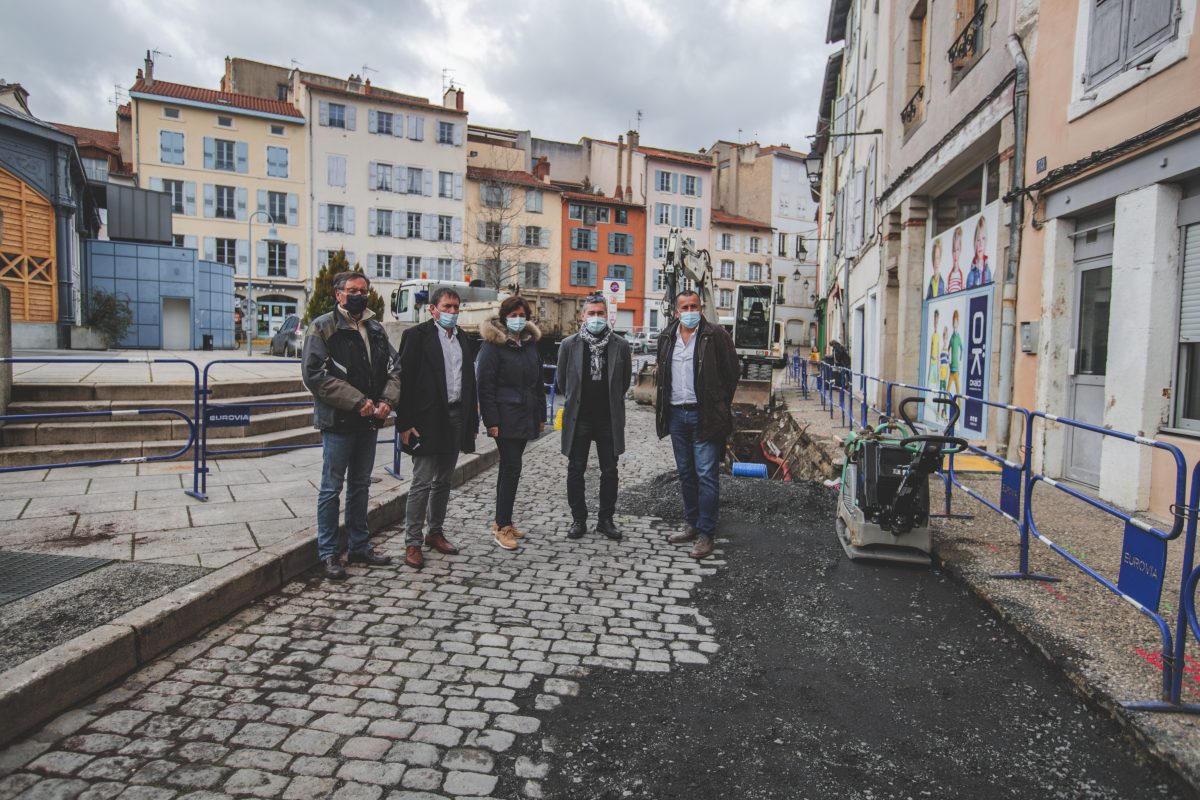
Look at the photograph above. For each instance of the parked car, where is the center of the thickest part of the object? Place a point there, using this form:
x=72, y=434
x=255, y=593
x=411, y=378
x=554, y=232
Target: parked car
x=289, y=341
x=639, y=343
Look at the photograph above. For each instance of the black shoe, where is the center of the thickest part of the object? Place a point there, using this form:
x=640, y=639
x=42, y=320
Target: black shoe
x=333, y=568
x=369, y=557
x=578, y=529
x=605, y=527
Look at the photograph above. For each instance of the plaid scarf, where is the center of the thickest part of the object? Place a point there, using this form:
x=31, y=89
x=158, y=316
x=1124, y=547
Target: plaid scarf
x=596, y=350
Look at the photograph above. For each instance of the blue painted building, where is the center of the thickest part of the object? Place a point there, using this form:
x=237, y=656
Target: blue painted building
x=177, y=300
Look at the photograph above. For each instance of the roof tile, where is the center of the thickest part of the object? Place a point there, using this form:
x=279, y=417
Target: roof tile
x=228, y=99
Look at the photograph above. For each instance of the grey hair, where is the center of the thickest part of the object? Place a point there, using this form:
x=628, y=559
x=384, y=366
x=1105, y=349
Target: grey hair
x=342, y=278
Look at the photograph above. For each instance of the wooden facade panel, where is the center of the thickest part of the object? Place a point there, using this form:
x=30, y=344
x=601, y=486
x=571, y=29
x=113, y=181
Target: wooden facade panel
x=27, y=251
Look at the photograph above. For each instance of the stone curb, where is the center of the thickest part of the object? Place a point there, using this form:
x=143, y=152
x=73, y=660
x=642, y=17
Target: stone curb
x=47, y=684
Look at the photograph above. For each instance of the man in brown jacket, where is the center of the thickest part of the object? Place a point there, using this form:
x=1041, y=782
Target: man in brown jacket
x=697, y=376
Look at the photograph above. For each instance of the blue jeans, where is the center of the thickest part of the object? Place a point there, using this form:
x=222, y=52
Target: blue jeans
x=697, y=463
x=349, y=457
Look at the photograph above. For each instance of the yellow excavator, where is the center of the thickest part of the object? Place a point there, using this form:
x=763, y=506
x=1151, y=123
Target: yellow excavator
x=686, y=267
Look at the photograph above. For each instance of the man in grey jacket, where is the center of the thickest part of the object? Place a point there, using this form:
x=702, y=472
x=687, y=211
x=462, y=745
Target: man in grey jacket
x=353, y=373
x=594, y=370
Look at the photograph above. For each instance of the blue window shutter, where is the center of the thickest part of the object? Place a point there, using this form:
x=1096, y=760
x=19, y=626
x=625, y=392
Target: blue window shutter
x=322, y=259
x=189, y=198
x=480, y=231
x=458, y=186
x=402, y=183
x=210, y=200
x=427, y=176
x=242, y=249
x=348, y=219
x=243, y=157
x=507, y=199
x=696, y=216
x=165, y=147
x=372, y=217
x=351, y=115
x=612, y=243
x=429, y=227
x=283, y=161
x=293, y=201
x=674, y=215
x=260, y=269
x=178, y=143
x=371, y=271
x=699, y=187
x=293, y=260
x=398, y=125
x=398, y=174
x=241, y=203
x=262, y=200
x=324, y=112
x=505, y=235
x=674, y=183
x=372, y=175
x=398, y=221
x=322, y=217
x=372, y=121
x=458, y=134
x=156, y=185
x=210, y=152
x=457, y=230
x=544, y=237
x=210, y=248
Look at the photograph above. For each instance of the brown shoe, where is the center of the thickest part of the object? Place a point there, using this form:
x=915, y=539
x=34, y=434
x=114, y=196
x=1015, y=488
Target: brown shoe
x=686, y=535
x=504, y=538
x=413, y=556
x=438, y=542
x=513, y=529
x=703, y=547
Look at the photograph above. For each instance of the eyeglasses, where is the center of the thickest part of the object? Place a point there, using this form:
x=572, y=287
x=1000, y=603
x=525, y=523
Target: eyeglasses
x=356, y=292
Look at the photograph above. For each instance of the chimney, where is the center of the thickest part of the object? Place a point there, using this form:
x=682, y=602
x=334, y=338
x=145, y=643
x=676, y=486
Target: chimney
x=367, y=86
x=620, y=152
x=453, y=98
x=541, y=169
x=634, y=141
x=354, y=83
x=149, y=73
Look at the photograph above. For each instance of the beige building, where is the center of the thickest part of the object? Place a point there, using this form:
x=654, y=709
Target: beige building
x=514, y=227
x=741, y=253
x=234, y=166
x=388, y=171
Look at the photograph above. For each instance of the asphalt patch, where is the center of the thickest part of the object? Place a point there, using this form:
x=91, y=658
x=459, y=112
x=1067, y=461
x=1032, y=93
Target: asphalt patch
x=834, y=680
x=35, y=624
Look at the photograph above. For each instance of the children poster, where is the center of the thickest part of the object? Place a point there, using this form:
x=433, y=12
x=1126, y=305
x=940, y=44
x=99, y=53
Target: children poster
x=956, y=330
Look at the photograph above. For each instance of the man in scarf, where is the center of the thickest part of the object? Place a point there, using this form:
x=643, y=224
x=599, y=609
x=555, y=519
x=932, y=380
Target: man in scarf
x=594, y=371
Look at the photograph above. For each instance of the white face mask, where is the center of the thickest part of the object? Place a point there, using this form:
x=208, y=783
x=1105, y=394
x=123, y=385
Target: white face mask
x=595, y=325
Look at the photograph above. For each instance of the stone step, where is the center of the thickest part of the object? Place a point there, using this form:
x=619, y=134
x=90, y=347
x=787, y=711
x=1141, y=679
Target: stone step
x=43, y=392
x=30, y=455
x=166, y=428
x=184, y=405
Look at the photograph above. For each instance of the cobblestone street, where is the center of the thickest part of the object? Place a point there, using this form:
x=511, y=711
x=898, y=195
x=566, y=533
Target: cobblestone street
x=394, y=683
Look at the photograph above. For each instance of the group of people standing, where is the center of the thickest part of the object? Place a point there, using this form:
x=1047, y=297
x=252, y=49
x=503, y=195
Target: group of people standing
x=441, y=384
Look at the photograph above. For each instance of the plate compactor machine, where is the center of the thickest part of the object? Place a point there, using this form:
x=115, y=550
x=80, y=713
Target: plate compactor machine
x=883, y=510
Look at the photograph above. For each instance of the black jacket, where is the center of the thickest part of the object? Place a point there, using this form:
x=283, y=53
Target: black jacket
x=715, y=365
x=336, y=370
x=512, y=394
x=423, y=403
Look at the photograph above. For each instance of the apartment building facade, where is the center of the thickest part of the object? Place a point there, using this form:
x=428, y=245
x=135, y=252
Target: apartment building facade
x=678, y=189
x=740, y=253
x=388, y=169
x=235, y=167
x=514, y=229
x=604, y=240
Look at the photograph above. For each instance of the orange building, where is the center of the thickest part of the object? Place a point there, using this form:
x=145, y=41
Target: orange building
x=605, y=238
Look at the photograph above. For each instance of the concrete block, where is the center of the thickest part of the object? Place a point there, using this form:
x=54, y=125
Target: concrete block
x=172, y=618
x=47, y=684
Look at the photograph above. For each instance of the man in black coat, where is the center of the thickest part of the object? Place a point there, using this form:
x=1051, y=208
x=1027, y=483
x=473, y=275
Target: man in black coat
x=438, y=417
x=594, y=371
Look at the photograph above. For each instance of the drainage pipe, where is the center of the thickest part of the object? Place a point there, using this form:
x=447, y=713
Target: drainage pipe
x=1008, y=311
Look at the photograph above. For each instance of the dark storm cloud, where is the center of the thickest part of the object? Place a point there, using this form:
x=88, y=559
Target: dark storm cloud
x=698, y=69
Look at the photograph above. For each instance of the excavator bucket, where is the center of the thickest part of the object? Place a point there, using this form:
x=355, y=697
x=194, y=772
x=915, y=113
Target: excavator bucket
x=643, y=387
x=755, y=393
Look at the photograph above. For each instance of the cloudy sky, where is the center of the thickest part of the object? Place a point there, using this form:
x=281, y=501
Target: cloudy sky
x=699, y=70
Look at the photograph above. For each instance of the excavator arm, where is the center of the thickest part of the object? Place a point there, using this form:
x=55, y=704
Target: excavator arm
x=685, y=267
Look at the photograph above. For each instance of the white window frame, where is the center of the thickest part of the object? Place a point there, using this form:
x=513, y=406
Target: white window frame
x=220, y=191
x=335, y=218
x=383, y=222
x=383, y=265
x=446, y=184
x=279, y=199
x=341, y=110
x=276, y=260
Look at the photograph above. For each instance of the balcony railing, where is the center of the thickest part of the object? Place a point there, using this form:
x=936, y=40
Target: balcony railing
x=969, y=39
x=910, y=111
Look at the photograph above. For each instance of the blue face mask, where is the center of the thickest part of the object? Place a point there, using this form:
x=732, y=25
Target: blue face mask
x=515, y=324
x=689, y=319
x=596, y=325
x=447, y=321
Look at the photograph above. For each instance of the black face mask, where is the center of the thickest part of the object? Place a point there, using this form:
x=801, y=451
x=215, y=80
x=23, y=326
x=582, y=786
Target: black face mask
x=356, y=303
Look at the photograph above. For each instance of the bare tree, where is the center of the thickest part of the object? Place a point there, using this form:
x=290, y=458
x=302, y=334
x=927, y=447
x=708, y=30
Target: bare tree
x=499, y=245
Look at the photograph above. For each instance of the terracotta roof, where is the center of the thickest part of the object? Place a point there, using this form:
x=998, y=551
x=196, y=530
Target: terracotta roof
x=105, y=140
x=227, y=99
x=722, y=218
x=692, y=159
x=784, y=151
x=387, y=99
x=508, y=176
x=584, y=197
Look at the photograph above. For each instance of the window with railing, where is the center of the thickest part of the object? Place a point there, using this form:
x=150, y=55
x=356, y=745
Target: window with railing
x=969, y=44
x=913, y=111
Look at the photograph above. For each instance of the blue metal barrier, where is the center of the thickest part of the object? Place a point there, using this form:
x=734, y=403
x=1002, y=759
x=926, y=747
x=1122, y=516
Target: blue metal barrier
x=550, y=388
x=236, y=414
x=97, y=462
x=192, y=423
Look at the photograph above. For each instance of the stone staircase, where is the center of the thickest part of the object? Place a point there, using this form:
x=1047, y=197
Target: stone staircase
x=74, y=439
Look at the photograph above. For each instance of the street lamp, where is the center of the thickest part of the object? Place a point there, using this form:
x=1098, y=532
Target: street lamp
x=252, y=311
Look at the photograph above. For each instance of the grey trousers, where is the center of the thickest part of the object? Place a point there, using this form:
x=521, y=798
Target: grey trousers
x=429, y=492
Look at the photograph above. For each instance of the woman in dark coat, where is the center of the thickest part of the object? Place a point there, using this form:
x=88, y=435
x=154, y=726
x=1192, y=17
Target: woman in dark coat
x=512, y=402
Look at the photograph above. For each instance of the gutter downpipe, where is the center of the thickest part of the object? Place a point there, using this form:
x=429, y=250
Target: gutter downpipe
x=1016, y=218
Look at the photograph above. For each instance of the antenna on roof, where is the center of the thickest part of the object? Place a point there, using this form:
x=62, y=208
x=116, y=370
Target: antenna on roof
x=157, y=53
x=296, y=63
x=639, y=121
x=365, y=68
x=119, y=96
x=447, y=78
